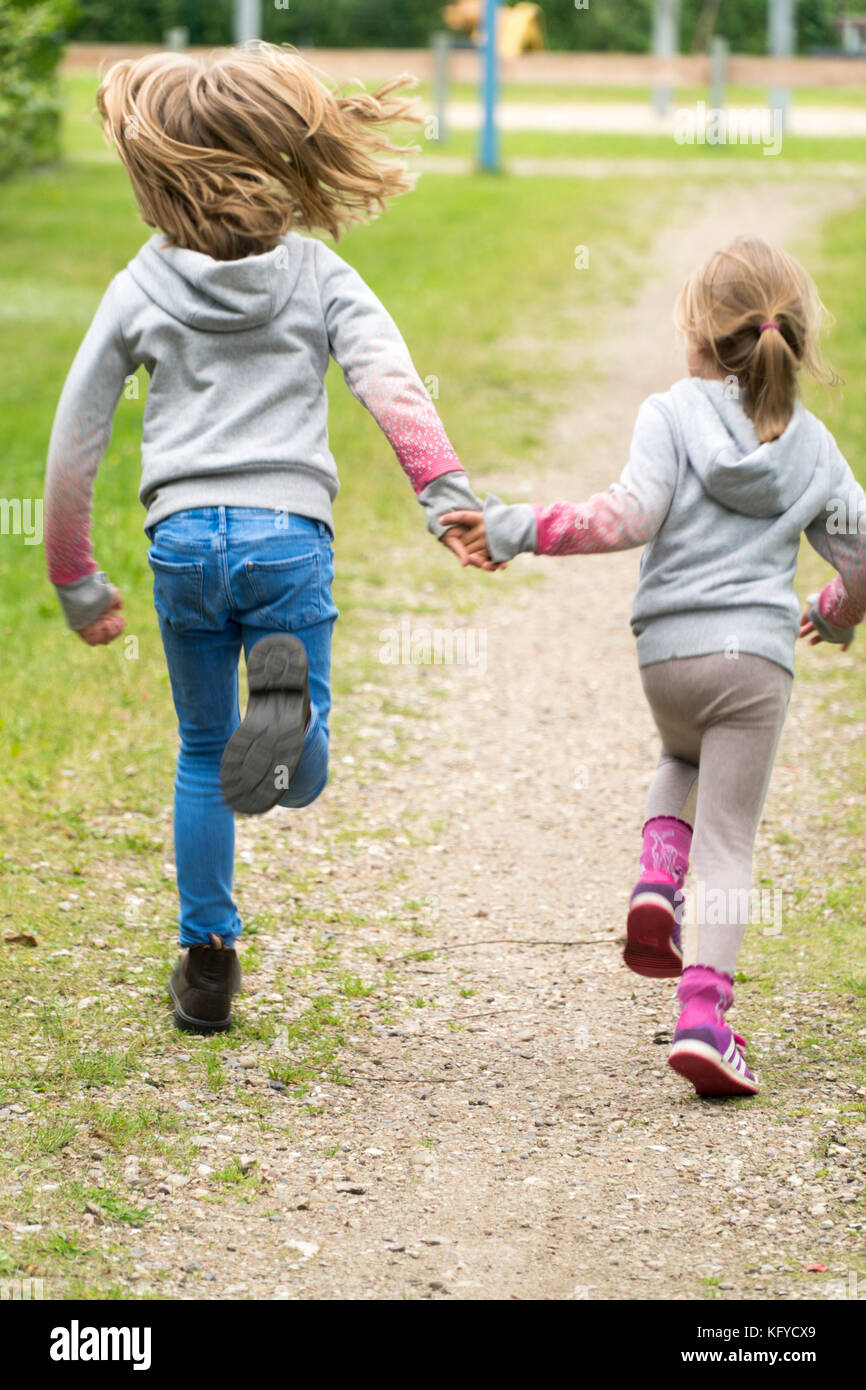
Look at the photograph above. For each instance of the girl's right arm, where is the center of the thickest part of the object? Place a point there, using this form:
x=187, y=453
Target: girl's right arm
x=838, y=534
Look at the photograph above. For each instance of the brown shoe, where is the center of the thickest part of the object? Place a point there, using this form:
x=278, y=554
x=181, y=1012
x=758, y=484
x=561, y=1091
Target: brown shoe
x=201, y=987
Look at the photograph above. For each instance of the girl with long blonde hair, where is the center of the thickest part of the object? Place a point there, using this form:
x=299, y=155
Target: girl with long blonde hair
x=235, y=312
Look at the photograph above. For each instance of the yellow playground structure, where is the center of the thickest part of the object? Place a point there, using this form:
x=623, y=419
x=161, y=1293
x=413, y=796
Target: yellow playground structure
x=520, y=28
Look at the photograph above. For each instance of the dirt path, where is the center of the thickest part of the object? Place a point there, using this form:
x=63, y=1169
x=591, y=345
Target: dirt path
x=525, y=1139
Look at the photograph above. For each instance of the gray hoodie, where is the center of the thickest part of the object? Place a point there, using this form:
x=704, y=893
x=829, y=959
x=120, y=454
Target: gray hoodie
x=721, y=516
x=236, y=411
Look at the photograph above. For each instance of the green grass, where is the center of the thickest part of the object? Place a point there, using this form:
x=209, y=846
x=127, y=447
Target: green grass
x=796, y=150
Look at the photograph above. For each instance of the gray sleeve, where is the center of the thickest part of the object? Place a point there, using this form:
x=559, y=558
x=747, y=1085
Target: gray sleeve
x=510, y=530
x=366, y=343
x=450, y=492
x=838, y=534
x=85, y=599
x=79, y=437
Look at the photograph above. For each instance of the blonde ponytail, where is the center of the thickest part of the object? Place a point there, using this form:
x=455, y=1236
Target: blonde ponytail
x=755, y=312
x=772, y=380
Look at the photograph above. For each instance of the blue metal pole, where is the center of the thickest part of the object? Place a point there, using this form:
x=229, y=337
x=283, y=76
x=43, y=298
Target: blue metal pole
x=489, y=153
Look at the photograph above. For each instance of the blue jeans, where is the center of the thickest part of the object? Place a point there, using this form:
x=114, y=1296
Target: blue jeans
x=223, y=576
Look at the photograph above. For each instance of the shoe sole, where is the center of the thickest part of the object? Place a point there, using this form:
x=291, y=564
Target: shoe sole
x=707, y=1070
x=271, y=736
x=187, y=1024
x=650, y=948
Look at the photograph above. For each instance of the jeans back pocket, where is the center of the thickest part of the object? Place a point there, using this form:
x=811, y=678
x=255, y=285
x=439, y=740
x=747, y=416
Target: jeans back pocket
x=287, y=593
x=178, y=591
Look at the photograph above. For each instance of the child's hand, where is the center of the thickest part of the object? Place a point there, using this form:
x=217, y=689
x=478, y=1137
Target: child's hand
x=473, y=538
x=455, y=539
x=107, y=626
x=807, y=627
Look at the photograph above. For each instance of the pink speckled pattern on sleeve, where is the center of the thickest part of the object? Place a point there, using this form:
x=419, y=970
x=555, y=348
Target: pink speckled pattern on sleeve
x=615, y=520
x=68, y=505
x=403, y=410
x=843, y=606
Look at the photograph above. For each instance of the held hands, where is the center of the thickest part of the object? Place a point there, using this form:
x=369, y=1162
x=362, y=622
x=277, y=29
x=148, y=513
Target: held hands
x=470, y=539
x=107, y=626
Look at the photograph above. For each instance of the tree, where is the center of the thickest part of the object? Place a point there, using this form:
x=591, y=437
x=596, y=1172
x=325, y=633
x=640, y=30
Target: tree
x=31, y=44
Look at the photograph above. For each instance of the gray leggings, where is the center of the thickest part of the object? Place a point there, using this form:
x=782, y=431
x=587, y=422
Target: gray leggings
x=720, y=717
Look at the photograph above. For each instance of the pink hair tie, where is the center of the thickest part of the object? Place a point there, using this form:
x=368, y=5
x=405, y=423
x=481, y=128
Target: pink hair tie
x=770, y=324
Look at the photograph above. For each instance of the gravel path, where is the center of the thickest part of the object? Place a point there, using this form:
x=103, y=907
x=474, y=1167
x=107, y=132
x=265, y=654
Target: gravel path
x=518, y=1135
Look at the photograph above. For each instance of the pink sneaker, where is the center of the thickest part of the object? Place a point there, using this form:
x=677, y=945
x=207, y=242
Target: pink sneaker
x=653, y=946
x=713, y=1058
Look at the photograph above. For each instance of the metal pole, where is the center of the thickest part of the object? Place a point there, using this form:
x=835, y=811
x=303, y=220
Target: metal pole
x=718, y=73
x=666, y=24
x=247, y=20
x=489, y=153
x=780, y=42
x=441, y=55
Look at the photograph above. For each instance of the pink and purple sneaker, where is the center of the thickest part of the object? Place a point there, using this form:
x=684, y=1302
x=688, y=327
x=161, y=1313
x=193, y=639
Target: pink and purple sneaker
x=653, y=945
x=705, y=1050
x=713, y=1058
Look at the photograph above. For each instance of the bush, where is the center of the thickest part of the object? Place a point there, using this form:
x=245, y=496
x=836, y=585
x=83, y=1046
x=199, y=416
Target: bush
x=30, y=49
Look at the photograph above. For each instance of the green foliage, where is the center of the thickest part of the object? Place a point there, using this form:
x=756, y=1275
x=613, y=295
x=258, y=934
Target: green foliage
x=146, y=21
x=339, y=23
x=624, y=25
x=30, y=49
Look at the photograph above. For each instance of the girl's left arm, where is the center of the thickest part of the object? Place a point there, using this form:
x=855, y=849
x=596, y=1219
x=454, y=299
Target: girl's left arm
x=379, y=371
x=79, y=438
x=628, y=514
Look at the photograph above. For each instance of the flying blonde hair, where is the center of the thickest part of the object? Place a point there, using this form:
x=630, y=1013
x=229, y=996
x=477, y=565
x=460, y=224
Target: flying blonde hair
x=756, y=313
x=229, y=152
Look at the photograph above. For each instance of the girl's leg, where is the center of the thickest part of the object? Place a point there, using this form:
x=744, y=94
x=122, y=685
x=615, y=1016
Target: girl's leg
x=670, y=787
x=311, y=775
x=203, y=668
x=202, y=649
x=653, y=929
x=745, y=702
x=281, y=572
x=737, y=755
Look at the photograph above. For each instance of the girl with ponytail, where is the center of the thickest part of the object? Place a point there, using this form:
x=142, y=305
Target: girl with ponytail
x=727, y=470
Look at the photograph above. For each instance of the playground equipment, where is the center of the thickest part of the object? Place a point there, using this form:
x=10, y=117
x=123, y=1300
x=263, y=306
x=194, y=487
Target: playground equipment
x=781, y=31
x=519, y=28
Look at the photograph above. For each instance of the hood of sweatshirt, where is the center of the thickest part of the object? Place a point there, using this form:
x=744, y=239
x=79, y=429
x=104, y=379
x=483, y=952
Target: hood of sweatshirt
x=734, y=467
x=218, y=296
